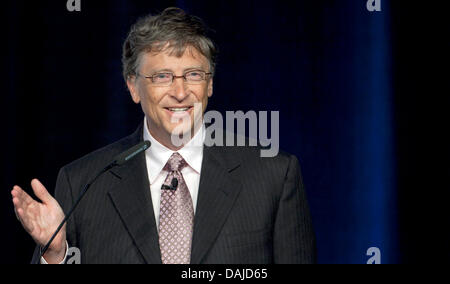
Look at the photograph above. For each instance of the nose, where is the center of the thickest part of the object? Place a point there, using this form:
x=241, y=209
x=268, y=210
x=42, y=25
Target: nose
x=179, y=89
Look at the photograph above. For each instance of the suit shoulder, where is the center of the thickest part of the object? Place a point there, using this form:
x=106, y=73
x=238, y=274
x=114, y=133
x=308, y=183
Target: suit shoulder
x=250, y=157
x=270, y=174
x=254, y=154
x=251, y=149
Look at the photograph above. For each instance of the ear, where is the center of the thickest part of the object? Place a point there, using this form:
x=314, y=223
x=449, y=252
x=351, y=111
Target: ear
x=132, y=87
x=210, y=88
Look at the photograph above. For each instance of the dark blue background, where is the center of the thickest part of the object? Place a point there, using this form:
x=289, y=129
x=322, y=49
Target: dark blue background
x=362, y=96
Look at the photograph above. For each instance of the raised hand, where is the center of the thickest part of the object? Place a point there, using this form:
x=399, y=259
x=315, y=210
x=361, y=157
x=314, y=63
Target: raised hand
x=41, y=219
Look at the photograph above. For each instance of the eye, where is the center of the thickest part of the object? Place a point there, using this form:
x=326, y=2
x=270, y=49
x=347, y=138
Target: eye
x=162, y=76
x=195, y=75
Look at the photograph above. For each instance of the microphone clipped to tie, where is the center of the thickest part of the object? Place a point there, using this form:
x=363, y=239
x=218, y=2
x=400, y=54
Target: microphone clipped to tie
x=173, y=186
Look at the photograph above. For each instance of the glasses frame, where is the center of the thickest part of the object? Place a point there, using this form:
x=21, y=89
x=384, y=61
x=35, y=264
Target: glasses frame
x=175, y=77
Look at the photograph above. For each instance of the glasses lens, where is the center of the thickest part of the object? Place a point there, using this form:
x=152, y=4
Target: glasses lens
x=162, y=78
x=195, y=76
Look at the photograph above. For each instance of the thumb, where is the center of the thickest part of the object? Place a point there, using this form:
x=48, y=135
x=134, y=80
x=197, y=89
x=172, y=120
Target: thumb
x=40, y=191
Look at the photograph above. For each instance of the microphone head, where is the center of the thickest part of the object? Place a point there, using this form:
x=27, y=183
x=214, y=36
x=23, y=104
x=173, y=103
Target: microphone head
x=131, y=153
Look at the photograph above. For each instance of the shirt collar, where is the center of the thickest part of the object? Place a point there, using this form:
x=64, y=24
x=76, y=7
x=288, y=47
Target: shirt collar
x=158, y=155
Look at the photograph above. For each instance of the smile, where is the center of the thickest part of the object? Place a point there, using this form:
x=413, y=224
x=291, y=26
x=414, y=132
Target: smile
x=175, y=110
x=178, y=109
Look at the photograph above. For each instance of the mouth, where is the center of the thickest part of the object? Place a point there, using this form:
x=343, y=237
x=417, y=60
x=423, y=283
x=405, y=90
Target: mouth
x=178, y=110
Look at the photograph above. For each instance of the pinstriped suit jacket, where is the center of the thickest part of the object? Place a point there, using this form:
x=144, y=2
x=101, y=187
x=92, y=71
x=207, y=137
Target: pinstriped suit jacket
x=249, y=209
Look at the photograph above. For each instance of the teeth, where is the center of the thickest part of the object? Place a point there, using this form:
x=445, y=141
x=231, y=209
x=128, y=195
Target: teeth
x=179, y=109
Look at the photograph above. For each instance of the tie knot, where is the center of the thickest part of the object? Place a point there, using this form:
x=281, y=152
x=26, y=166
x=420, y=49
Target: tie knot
x=175, y=163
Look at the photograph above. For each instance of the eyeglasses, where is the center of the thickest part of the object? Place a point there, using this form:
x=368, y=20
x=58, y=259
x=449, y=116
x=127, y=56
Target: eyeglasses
x=166, y=78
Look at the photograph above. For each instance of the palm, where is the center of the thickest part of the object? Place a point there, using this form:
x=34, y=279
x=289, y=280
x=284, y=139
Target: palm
x=45, y=220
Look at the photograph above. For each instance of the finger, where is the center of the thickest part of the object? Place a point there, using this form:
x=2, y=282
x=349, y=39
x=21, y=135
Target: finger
x=22, y=200
x=15, y=190
x=41, y=192
x=15, y=211
x=20, y=197
x=24, y=208
x=26, y=223
x=15, y=201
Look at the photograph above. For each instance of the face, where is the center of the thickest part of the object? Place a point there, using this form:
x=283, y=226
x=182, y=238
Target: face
x=170, y=109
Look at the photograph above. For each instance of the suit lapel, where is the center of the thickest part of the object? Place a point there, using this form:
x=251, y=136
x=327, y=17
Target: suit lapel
x=218, y=191
x=132, y=200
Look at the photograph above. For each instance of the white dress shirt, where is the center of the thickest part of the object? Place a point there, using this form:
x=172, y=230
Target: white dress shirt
x=156, y=158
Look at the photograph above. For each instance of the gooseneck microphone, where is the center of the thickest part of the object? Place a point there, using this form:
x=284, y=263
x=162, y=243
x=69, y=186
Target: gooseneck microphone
x=129, y=154
x=119, y=160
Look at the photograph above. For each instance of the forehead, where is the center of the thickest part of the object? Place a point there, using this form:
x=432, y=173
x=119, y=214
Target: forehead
x=169, y=60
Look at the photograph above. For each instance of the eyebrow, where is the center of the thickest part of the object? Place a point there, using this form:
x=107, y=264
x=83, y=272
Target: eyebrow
x=184, y=70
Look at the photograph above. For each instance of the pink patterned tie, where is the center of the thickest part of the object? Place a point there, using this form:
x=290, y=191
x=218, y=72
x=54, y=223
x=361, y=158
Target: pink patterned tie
x=176, y=217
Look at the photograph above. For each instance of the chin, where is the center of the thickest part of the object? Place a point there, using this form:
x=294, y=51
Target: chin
x=180, y=130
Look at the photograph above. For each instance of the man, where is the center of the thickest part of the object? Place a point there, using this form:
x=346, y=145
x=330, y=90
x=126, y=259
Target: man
x=228, y=204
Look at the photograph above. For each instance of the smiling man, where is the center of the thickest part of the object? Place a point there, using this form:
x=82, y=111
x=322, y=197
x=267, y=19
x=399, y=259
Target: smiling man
x=166, y=98
x=227, y=204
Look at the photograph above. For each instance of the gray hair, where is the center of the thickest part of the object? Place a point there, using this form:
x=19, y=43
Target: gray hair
x=173, y=27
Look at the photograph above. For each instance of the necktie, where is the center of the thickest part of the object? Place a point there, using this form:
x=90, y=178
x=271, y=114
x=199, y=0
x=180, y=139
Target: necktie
x=176, y=217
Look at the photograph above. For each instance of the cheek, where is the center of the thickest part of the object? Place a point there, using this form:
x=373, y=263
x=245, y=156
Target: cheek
x=150, y=101
x=204, y=94
x=150, y=98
